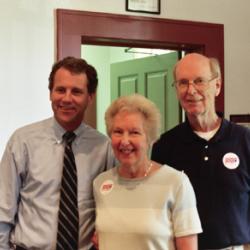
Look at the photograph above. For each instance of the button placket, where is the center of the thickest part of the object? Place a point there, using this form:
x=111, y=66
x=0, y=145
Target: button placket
x=206, y=158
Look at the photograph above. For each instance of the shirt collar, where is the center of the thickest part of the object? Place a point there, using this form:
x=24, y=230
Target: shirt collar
x=59, y=131
x=190, y=135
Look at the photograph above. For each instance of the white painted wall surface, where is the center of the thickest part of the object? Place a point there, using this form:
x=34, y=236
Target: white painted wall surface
x=27, y=51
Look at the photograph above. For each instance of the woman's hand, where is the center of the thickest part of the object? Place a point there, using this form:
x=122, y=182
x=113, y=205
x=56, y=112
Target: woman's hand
x=94, y=240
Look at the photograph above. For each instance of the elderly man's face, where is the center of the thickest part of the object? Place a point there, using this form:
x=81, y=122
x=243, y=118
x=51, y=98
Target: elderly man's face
x=196, y=99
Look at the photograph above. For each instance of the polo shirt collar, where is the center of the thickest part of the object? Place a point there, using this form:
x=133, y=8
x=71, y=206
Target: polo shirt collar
x=189, y=135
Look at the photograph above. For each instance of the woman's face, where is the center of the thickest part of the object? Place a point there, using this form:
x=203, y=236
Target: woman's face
x=129, y=139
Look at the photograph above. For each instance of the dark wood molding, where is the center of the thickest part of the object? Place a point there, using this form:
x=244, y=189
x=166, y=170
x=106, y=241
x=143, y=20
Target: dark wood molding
x=75, y=28
x=240, y=118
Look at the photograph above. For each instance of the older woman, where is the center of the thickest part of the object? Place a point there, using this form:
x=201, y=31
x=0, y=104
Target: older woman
x=140, y=204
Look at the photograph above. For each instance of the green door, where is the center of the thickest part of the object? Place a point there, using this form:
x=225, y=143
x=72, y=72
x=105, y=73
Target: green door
x=151, y=77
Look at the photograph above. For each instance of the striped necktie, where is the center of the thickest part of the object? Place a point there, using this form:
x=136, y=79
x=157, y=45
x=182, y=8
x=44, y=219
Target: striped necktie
x=68, y=218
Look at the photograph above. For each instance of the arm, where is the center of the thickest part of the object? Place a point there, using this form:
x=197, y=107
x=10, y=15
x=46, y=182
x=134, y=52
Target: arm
x=186, y=242
x=9, y=186
x=185, y=217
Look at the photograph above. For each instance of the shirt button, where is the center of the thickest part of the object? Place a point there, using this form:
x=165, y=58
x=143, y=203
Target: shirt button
x=206, y=146
x=206, y=158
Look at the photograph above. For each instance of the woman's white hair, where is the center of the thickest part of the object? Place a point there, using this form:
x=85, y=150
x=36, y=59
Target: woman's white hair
x=136, y=103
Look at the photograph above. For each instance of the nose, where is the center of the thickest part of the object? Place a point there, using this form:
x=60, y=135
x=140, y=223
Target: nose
x=191, y=88
x=125, y=140
x=67, y=96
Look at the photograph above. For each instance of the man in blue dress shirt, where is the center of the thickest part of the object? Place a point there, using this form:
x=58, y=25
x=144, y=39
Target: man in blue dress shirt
x=31, y=167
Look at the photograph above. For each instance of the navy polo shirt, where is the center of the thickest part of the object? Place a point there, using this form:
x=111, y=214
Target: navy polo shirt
x=219, y=170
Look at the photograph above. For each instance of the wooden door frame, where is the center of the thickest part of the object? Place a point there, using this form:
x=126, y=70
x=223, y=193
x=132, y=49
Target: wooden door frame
x=75, y=28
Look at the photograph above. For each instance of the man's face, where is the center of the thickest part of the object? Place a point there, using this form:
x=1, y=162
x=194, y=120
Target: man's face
x=69, y=98
x=197, y=100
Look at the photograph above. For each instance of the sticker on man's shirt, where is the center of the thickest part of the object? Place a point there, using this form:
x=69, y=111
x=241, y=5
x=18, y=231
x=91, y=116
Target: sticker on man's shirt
x=106, y=187
x=231, y=160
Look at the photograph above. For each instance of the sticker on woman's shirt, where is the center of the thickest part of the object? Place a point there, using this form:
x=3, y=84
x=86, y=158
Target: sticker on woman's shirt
x=231, y=160
x=106, y=187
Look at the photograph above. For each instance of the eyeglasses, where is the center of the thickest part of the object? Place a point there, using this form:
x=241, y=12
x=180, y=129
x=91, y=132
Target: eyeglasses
x=199, y=82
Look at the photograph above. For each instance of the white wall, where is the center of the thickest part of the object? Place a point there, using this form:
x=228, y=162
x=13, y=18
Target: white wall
x=27, y=49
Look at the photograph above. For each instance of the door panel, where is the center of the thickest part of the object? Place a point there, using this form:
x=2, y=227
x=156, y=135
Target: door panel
x=127, y=85
x=151, y=77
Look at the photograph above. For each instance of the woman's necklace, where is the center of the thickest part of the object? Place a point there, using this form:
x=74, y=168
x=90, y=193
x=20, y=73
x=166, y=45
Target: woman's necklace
x=148, y=169
x=134, y=175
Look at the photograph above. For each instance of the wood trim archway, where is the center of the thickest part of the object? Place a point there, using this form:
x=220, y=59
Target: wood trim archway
x=75, y=28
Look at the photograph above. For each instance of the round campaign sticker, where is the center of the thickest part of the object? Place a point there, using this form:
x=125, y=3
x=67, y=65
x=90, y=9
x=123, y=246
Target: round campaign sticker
x=106, y=187
x=231, y=160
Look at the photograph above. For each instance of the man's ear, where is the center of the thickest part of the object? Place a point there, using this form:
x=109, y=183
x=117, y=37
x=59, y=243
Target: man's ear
x=218, y=86
x=91, y=97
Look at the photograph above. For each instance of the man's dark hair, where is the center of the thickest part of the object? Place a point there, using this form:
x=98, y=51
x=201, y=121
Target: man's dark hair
x=75, y=66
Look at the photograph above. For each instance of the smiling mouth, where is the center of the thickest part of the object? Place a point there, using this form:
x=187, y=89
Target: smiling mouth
x=66, y=109
x=126, y=150
x=192, y=101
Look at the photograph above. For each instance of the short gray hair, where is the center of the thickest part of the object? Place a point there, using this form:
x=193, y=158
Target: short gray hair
x=215, y=67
